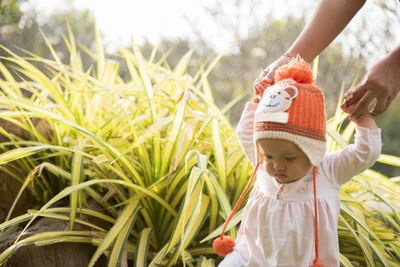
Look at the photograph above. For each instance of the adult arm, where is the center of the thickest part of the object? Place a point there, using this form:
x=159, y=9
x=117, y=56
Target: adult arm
x=327, y=21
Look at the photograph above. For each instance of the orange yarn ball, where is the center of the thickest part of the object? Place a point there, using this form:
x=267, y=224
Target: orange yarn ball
x=317, y=265
x=297, y=69
x=224, y=245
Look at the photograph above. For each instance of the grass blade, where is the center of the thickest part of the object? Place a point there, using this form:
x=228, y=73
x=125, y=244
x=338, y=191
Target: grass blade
x=219, y=152
x=119, y=246
x=130, y=210
x=76, y=178
x=143, y=243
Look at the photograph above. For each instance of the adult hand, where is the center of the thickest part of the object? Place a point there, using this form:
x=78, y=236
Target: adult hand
x=266, y=78
x=382, y=82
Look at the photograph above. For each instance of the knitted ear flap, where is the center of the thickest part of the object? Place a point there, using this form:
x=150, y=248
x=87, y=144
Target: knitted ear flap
x=224, y=244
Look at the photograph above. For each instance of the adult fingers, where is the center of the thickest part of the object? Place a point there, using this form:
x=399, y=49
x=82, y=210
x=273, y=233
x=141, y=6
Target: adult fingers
x=256, y=86
x=264, y=76
x=356, y=92
x=265, y=83
x=381, y=105
x=283, y=60
x=356, y=109
x=256, y=81
x=270, y=76
x=265, y=72
x=260, y=85
x=259, y=88
x=344, y=106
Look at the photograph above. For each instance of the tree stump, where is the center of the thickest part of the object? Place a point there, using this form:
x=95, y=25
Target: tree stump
x=55, y=255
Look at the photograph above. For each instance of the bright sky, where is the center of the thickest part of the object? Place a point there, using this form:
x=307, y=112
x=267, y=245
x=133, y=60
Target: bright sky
x=120, y=20
x=152, y=19
x=149, y=18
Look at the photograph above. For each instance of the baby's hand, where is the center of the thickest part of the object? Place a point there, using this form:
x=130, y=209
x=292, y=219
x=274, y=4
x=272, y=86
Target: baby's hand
x=346, y=107
x=366, y=119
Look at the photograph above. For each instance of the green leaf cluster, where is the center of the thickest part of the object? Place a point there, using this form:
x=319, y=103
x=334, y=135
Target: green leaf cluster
x=154, y=152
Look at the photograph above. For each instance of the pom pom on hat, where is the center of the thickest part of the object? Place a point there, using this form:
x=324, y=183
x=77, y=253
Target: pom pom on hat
x=223, y=246
x=297, y=69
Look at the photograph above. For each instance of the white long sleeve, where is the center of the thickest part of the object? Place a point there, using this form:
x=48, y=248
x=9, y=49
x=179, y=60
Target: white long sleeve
x=245, y=131
x=343, y=164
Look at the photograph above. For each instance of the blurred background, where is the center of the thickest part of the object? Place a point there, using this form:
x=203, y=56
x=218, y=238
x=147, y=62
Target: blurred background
x=251, y=34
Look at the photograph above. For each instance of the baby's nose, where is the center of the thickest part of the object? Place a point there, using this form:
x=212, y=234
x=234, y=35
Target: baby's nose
x=278, y=166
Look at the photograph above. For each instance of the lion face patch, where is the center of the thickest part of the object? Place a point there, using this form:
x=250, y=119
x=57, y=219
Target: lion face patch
x=275, y=101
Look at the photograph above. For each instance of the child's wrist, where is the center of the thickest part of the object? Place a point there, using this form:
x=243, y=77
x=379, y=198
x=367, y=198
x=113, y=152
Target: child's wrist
x=365, y=114
x=366, y=119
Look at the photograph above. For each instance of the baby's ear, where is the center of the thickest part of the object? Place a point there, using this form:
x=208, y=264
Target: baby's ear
x=292, y=91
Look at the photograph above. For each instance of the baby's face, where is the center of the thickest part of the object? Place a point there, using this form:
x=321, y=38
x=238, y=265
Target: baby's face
x=284, y=160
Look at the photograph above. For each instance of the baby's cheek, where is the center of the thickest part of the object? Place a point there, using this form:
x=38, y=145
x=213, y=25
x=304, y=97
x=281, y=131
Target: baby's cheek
x=265, y=166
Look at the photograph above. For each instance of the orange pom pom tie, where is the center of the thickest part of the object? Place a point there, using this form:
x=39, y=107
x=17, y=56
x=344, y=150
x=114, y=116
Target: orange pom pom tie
x=224, y=244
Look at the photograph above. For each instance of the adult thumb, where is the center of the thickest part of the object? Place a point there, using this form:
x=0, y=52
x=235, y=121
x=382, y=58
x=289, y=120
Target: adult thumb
x=269, y=78
x=381, y=105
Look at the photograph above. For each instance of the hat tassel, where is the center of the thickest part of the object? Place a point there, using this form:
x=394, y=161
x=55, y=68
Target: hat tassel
x=224, y=244
x=316, y=263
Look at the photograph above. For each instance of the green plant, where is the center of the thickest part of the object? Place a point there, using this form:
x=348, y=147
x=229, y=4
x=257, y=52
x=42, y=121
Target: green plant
x=157, y=155
x=154, y=152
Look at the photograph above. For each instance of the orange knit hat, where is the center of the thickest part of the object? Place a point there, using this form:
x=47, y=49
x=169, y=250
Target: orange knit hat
x=292, y=109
